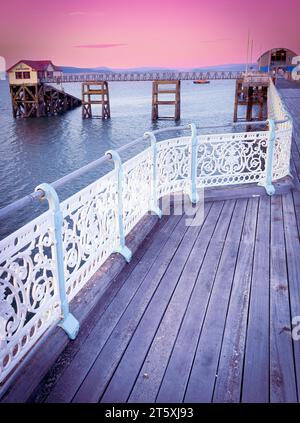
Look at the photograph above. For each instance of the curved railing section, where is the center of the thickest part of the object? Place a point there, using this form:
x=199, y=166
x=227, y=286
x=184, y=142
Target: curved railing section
x=284, y=128
x=48, y=261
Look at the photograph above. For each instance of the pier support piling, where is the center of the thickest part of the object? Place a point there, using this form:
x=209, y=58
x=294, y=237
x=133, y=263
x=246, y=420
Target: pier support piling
x=37, y=100
x=94, y=93
x=157, y=100
x=252, y=95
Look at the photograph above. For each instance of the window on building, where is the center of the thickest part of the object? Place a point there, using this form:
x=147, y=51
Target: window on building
x=19, y=75
x=26, y=75
x=49, y=74
x=278, y=56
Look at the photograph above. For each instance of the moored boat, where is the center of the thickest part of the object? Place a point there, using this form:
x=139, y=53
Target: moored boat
x=201, y=81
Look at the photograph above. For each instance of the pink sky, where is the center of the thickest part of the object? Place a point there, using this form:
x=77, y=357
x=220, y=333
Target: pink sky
x=134, y=33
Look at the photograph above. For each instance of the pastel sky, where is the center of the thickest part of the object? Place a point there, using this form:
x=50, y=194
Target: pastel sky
x=136, y=33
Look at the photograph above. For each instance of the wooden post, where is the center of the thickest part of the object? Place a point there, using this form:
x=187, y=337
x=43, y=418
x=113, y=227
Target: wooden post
x=156, y=91
x=249, y=103
x=154, y=101
x=238, y=92
x=249, y=94
x=177, y=104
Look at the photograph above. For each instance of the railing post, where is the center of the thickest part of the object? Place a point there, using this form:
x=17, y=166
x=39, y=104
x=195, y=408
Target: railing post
x=269, y=187
x=154, y=203
x=121, y=248
x=68, y=323
x=194, y=144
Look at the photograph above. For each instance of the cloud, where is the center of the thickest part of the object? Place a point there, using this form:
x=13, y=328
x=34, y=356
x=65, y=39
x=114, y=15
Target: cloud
x=100, y=45
x=77, y=13
x=217, y=40
x=81, y=13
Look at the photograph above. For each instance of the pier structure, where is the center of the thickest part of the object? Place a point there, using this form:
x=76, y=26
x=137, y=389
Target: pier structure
x=141, y=76
x=37, y=100
x=33, y=98
x=159, y=90
x=95, y=93
x=251, y=91
x=216, y=293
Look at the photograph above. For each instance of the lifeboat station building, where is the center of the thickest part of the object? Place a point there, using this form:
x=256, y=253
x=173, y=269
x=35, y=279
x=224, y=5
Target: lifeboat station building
x=32, y=72
x=277, y=59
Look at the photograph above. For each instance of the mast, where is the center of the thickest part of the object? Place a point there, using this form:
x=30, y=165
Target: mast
x=248, y=42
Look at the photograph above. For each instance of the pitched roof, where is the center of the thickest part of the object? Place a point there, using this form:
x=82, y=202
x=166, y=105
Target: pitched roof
x=37, y=65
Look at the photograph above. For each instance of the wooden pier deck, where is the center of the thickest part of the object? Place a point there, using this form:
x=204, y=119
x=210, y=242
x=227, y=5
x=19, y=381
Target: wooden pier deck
x=201, y=314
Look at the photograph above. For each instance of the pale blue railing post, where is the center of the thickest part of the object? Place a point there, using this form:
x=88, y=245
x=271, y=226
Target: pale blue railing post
x=68, y=323
x=154, y=202
x=194, y=145
x=121, y=248
x=269, y=187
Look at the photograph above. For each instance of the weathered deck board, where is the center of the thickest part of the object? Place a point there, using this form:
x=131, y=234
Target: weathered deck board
x=230, y=369
x=156, y=360
x=256, y=365
x=292, y=244
x=176, y=377
x=203, y=374
x=282, y=371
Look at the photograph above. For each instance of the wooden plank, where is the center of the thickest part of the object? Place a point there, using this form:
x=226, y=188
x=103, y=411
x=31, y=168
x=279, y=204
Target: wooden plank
x=203, y=374
x=292, y=244
x=256, y=368
x=230, y=369
x=165, y=103
x=177, y=373
x=75, y=373
x=282, y=371
x=149, y=303
x=170, y=82
x=131, y=370
x=166, y=91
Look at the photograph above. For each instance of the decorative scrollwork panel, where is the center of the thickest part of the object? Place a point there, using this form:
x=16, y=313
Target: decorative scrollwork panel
x=228, y=159
x=173, y=165
x=89, y=231
x=137, y=189
x=28, y=289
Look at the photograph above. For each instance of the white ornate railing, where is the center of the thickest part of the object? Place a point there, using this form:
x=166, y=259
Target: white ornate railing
x=47, y=262
x=278, y=113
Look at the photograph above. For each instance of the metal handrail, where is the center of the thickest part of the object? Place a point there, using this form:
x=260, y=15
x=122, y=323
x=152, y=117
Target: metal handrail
x=38, y=195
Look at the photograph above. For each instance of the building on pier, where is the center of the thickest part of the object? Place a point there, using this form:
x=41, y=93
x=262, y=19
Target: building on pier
x=276, y=59
x=32, y=72
x=30, y=96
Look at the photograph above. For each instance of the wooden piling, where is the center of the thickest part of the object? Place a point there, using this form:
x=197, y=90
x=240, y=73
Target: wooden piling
x=250, y=95
x=95, y=93
x=157, y=101
x=37, y=100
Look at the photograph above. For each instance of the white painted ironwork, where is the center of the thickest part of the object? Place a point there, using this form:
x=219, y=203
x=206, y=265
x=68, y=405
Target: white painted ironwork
x=29, y=300
x=29, y=288
x=277, y=112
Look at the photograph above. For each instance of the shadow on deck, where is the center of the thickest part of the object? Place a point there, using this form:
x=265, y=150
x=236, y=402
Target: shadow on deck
x=201, y=314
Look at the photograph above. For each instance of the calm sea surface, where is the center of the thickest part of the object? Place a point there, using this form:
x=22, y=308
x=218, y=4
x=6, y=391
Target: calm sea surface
x=42, y=150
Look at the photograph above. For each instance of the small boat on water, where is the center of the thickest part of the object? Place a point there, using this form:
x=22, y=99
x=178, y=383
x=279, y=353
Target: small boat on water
x=202, y=81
